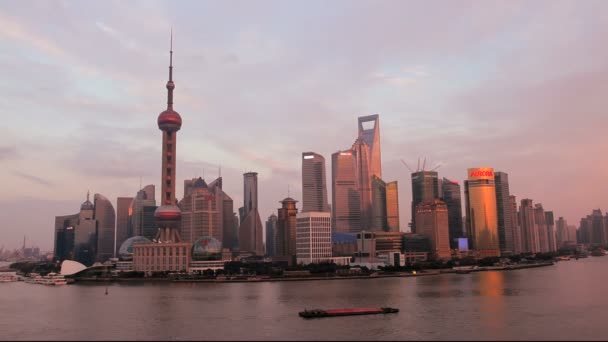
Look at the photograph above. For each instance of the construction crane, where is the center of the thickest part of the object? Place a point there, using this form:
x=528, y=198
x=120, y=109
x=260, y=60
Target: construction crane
x=404, y=163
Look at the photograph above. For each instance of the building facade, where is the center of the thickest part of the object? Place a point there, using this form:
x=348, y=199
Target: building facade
x=451, y=196
x=106, y=224
x=529, y=229
x=251, y=241
x=517, y=235
x=313, y=237
x=271, y=235
x=432, y=220
x=286, y=228
x=314, y=185
x=123, y=205
x=346, y=209
x=425, y=187
x=504, y=216
x=392, y=207
x=482, y=218
x=141, y=213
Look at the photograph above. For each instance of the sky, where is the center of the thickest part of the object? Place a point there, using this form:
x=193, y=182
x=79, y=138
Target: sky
x=519, y=86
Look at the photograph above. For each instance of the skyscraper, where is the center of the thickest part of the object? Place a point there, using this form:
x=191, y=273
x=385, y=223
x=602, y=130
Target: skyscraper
x=598, y=230
x=85, y=235
x=541, y=227
x=425, y=187
x=431, y=219
x=230, y=223
x=251, y=230
x=106, y=225
x=345, y=194
x=202, y=208
x=286, y=229
x=122, y=221
x=271, y=235
x=141, y=214
x=379, y=220
x=392, y=206
x=314, y=186
x=529, y=229
x=176, y=254
x=371, y=135
x=452, y=199
x=363, y=176
x=517, y=235
x=64, y=237
x=482, y=222
x=505, y=223
x=550, y=222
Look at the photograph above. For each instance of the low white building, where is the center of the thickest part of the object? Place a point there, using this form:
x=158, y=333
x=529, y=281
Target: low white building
x=313, y=237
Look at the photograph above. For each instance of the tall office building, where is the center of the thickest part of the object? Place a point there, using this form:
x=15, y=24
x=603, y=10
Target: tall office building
x=452, y=199
x=431, y=219
x=371, y=136
x=392, y=206
x=550, y=222
x=123, y=204
x=598, y=229
x=529, y=229
x=313, y=242
x=517, y=235
x=230, y=223
x=561, y=231
x=425, y=187
x=363, y=176
x=250, y=191
x=141, y=214
x=379, y=219
x=346, y=209
x=85, y=236
x=271, y=235
x=250, y=231
x=482, y=221
x=314, y=186
x=541, y=226
x=286, y=229
x=503, y=208
x=571, y=235
x=202, y=210
x=106, y=226
x=168, y=243
x=64, y=237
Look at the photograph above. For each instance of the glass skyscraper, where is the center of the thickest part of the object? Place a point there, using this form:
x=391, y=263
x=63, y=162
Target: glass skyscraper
x=482, y=218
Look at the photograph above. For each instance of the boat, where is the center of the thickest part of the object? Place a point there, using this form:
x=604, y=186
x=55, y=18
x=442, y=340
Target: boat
x=54, y=279
x=563, y=258
x=318, y=313
x=34, y=278
x=8, y=278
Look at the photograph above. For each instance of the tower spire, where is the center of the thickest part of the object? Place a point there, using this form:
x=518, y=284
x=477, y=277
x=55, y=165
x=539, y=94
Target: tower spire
x=170, y=84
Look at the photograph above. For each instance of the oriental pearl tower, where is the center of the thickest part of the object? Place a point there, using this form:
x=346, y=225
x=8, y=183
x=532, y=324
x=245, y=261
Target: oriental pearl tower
x=168, y=215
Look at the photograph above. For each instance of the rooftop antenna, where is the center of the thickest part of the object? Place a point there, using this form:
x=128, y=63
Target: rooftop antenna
x=139, y=182
x=219, y=171
x=288, y=190
x=424, y=163
x=404, y=163
x=418, y=167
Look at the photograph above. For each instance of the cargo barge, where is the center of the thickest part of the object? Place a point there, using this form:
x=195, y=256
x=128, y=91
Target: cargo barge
x=317, y=313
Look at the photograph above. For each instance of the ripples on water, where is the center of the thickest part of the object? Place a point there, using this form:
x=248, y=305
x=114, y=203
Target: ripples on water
x=565, y=301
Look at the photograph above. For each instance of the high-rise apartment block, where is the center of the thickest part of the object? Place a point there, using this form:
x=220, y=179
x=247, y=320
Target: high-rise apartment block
x=286, y=229
x=529, y=229
x=271, y=235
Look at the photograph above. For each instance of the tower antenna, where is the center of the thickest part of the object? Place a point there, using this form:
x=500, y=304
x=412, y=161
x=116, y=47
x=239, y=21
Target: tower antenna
x=418, y=167
x=288, y=190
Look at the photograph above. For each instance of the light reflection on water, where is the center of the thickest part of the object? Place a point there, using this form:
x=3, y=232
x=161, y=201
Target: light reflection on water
x=565, y=301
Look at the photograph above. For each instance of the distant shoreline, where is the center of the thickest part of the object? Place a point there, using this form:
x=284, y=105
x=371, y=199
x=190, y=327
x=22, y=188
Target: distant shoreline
x=377, y=276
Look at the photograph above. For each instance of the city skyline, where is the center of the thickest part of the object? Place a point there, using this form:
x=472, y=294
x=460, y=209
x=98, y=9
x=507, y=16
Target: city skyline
x=89, y=110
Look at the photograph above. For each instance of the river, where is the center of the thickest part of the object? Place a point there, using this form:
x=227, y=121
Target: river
x=567, y=301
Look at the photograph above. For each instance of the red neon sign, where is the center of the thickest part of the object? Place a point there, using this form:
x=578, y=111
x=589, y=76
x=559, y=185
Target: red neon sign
x=482, y=173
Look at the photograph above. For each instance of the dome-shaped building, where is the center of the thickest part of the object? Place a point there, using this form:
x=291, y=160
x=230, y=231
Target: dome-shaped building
x=125, y=252
x=207, y=248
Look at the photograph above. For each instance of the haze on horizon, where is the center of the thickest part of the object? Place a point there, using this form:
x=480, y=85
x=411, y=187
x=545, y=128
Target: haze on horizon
x=519, y=86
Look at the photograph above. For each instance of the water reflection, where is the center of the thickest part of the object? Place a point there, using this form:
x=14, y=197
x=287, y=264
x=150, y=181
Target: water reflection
x=491, y=303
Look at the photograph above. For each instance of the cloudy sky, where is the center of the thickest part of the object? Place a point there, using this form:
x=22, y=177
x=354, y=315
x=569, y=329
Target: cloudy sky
x=521, y=86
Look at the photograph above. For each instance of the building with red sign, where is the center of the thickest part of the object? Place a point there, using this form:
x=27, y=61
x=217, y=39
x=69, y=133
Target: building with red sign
x=481, y=212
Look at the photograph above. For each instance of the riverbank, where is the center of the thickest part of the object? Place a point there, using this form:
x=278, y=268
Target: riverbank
x=257, y=279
